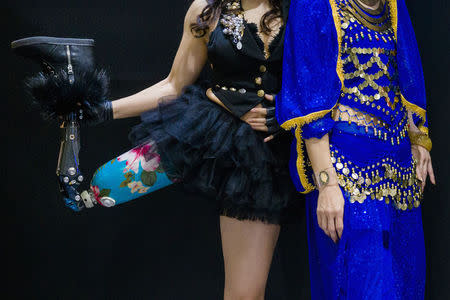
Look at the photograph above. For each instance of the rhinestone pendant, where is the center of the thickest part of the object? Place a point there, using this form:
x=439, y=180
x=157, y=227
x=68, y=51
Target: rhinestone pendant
x=239, y=45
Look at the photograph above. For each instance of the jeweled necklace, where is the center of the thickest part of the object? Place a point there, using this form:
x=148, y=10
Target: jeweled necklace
x=233, y=23
x=377, y=24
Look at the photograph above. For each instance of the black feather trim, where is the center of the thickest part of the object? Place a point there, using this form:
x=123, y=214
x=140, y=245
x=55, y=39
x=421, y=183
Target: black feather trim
x=56, y=96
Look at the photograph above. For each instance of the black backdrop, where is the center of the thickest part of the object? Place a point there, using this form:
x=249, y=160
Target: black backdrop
x=166, y=245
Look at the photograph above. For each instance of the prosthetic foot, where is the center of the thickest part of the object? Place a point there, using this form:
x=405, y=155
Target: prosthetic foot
x=55, y=54
x=68, y=76
x=72, y=92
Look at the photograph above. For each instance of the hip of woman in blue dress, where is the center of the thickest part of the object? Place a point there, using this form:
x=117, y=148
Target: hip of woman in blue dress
x=330, y=205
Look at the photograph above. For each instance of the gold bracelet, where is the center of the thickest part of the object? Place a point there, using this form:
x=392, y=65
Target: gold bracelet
x=325, y=178
x=421, y=139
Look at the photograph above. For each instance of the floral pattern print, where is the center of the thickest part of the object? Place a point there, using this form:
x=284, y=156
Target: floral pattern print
x=98, y=194
x=144, y=156
x=131, y=175
x=137, y=186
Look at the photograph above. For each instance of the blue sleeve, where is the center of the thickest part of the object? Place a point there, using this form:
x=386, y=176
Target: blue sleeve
x=310, y=83
x=318, y=128
x=312, y=79
x=412, y=83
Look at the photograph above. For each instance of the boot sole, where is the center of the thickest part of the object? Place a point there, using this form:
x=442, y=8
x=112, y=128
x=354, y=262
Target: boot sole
x=51, y=40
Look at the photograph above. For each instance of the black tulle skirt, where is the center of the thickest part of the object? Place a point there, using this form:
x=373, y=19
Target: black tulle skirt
x=214, y=152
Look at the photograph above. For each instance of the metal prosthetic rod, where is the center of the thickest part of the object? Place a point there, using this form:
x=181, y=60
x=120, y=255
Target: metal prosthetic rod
x=68, y=171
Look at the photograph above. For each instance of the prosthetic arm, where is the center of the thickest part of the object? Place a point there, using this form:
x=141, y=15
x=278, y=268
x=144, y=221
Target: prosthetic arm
x=67, y=170
x=72, y=92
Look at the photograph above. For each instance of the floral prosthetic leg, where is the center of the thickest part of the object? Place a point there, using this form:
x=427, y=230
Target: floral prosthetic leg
x=131, y=175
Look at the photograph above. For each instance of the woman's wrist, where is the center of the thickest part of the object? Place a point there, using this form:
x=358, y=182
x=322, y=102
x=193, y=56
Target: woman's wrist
x=114, y=108
x=326, y=177
x=421, y=139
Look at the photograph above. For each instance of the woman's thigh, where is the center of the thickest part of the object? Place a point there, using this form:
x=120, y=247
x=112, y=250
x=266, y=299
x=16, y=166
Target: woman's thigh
x=248, y=248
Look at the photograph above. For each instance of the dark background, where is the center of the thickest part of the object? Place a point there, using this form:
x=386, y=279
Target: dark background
x=166, y=245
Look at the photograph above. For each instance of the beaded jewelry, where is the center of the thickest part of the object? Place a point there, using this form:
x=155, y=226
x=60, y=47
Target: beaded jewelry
x=233, y=23
x=421, y=139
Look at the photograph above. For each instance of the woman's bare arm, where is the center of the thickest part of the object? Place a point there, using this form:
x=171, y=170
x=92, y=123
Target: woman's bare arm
x=188, y=63
x=424, y=166
x=330, y=204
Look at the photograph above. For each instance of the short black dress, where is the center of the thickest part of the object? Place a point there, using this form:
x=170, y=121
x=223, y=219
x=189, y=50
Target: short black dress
x=210, y=149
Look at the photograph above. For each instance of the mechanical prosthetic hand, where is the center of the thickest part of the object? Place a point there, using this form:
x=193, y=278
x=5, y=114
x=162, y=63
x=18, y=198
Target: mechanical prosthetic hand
x=71, y=91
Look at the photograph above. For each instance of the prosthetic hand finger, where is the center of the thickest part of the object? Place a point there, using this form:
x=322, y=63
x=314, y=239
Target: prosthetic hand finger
x=131, y=175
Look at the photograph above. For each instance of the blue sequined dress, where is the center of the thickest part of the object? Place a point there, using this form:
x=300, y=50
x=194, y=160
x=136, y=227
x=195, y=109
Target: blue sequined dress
x=353, y=83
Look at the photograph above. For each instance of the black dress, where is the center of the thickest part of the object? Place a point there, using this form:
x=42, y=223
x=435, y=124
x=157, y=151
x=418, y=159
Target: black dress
x=212, y=150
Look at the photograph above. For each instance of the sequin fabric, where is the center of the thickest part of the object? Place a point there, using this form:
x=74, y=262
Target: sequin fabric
x=330, y=59
x=380, y=256
x=381, y=253
x=371, y=86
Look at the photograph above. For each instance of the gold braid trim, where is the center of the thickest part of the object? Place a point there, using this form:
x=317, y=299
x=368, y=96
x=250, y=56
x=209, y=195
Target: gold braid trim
x=337, y=25
x=394, y=16
x=419, y=111
x=421, y=139
x=410, y=106
x=298, y=122
x=423, y=129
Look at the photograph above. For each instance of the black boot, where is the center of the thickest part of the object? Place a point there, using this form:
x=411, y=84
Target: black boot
x=69, y=80
x=71, y=91
x=55, y=54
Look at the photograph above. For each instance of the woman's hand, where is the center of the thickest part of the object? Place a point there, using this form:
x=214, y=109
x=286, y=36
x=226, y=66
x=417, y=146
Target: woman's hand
x=424, y=166
x=330, y=202
x=330, y=211
x=258, y=119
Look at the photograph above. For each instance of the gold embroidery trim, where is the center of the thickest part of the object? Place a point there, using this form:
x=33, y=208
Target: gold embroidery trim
x=394, y=16
x=337, y=25
x=410, y=106
x=298, y=122
x=419, y=111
